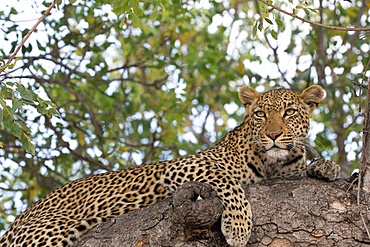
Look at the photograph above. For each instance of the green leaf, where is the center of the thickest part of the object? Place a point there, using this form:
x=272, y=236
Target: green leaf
x=154, y=14
x=274, y=34
x=13, y=11
x=254, y=30
x=279, y=22
x=16, y=130
x=41, y=108
x=23, y=127
x=123, y=22
x=59, y=2
x=39, y=46
x=268, y=21
x=16, y=104
x=27, y=95
x=137, y=9
x=135, y=20
x=7, y=118
x=260, y=26
x=27, y=144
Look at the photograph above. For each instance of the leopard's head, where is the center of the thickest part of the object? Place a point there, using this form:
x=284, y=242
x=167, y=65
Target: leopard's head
x=279, y=119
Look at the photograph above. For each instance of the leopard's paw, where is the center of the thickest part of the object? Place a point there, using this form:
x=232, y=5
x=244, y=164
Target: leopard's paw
x=236, y=228
x=324, y=169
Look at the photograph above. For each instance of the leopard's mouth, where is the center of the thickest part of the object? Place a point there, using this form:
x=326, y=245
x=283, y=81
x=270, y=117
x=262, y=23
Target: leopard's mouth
x=276, y=147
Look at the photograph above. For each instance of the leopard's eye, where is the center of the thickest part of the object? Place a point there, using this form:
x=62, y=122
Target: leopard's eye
x=260, y=114
x=290, y=112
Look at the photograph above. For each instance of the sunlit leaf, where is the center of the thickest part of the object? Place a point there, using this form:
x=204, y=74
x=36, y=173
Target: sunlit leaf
x=279, y=22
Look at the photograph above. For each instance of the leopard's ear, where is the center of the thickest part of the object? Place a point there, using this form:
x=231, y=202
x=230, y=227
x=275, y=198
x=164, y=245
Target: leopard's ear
x=312, y=96
x=248, y=96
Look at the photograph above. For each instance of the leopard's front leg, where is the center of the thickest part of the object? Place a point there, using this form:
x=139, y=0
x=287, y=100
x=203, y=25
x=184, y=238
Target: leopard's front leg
x=236, y=219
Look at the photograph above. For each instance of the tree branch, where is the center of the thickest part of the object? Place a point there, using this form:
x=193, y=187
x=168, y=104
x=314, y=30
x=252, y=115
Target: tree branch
x=277, y=60
x=28, y=35
x=346, y=29
x=288, y=212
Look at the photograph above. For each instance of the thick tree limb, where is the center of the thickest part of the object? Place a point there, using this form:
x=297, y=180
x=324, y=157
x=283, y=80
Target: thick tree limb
x=296, y=212
x=179, y=221
x=308, y=211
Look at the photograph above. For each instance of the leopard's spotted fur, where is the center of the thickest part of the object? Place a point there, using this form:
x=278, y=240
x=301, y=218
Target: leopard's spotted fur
x=269, y=143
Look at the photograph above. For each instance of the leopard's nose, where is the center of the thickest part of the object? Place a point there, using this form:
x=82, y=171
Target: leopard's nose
x=273, y=136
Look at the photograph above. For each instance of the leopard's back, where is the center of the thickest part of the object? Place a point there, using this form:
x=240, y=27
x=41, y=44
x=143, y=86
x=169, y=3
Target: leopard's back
x=63, y=215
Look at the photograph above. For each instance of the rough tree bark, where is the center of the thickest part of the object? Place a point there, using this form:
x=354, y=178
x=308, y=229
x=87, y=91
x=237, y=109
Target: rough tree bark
x=298, y=212
x=365, y=158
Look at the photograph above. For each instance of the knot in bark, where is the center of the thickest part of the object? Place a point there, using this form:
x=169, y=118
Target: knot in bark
x=196, y=205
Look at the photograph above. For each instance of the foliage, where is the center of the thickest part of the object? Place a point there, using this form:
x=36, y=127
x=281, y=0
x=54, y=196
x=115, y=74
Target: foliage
x=13, y=99
x=157, y=80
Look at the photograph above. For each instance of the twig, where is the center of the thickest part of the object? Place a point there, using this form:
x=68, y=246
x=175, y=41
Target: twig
x=277, y=62
x=28, y=35
x=355, y=29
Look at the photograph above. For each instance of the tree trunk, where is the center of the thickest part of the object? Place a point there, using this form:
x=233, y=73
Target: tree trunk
x=299, y=212
x=365, y=158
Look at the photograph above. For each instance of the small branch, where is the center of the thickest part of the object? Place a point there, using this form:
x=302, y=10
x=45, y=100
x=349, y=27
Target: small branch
x=28, y=35
x=346, y=29
x=277, y=60
x=11, y=190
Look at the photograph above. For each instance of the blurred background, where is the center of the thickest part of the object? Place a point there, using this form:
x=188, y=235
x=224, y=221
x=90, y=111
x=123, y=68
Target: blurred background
x=161, y=82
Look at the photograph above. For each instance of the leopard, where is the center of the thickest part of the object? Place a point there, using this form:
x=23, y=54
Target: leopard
x=269, y=143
